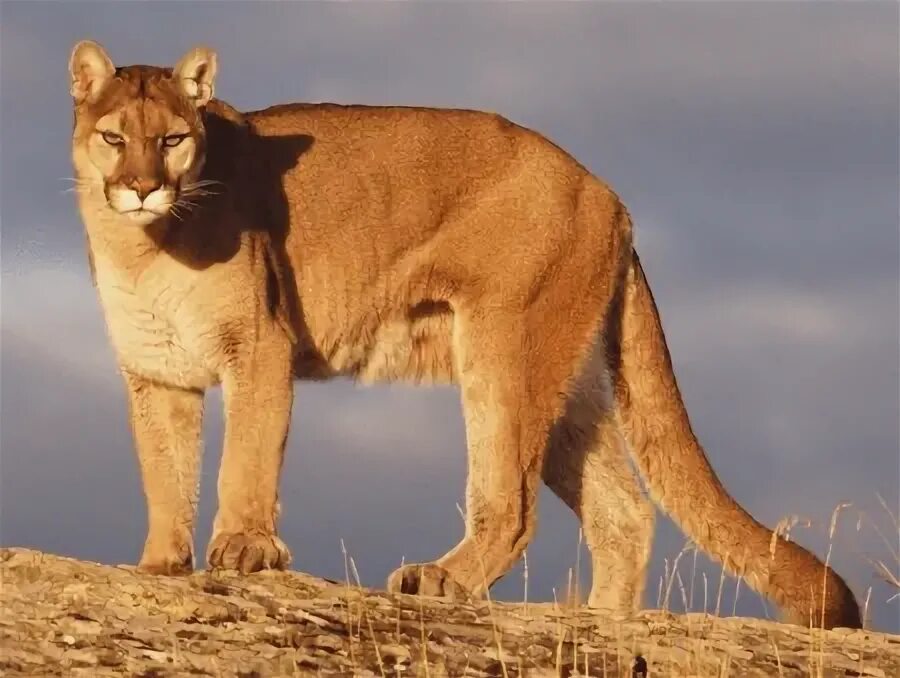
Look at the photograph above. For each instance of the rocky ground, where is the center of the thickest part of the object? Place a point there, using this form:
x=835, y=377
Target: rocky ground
x=64, y=617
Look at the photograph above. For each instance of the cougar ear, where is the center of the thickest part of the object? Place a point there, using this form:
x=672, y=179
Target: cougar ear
x=196, y=73
x=90, y=68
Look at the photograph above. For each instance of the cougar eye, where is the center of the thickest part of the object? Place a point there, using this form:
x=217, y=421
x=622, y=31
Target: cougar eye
x=173, y=140
x=112, y=138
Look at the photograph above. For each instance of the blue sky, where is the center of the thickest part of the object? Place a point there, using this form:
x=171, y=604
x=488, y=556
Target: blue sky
x=754, y=143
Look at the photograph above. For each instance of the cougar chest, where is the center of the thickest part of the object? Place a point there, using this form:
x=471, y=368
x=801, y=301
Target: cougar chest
x=154, y=329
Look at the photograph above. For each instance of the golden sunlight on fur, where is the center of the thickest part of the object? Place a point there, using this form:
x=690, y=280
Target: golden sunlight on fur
x=393, y=243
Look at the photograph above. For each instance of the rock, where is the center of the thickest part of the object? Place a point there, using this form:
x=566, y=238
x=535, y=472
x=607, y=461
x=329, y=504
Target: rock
x=60, y=616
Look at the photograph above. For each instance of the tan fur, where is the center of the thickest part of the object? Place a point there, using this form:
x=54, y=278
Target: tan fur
x=389, y=243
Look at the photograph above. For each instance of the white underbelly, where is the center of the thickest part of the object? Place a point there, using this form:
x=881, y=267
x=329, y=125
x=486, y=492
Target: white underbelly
x=402, y=349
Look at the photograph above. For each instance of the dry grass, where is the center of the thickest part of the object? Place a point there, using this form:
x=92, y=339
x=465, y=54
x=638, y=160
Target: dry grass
x=885, y=567
x=573, y=653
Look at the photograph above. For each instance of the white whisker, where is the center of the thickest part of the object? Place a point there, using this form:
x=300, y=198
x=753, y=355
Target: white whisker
x=76, y=189
x=202, y=187
x=205, y=182
x=200, y=192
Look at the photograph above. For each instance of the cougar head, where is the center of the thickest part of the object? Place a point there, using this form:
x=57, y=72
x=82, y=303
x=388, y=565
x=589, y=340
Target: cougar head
x=138, y=144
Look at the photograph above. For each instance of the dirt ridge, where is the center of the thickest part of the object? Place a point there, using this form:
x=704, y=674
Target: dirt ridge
x=64, y=617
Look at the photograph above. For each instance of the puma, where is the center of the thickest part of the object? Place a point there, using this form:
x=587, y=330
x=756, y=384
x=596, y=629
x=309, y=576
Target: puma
x=393, y=243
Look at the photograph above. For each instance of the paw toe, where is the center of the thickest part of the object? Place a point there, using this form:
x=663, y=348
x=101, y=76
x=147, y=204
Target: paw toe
x=178, y=562
x=426, y=579
x=248, y=553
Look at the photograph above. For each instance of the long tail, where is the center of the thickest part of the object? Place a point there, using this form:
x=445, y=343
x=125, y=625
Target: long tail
x=681, y=480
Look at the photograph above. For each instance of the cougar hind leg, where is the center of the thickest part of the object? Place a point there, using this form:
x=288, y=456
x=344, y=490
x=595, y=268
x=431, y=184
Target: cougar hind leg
x=512, y=399
x=508, y=413
x=588, y=468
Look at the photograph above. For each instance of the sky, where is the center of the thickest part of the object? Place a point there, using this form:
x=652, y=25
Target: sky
x=755, y=144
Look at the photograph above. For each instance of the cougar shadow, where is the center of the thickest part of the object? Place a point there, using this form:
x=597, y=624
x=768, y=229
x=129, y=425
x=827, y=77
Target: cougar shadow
x=224, y=218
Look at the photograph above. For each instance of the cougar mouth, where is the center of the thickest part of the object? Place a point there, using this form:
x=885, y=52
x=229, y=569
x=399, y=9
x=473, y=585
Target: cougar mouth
x=128, y=203
x=141, y=213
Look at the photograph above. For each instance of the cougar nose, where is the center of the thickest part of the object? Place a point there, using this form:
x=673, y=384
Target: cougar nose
x=144, y=187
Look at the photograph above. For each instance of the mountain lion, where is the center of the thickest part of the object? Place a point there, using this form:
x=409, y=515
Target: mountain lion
x=393, y=243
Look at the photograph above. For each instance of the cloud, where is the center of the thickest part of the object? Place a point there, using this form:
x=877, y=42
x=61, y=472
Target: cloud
x=53, y=312
x=759, y=312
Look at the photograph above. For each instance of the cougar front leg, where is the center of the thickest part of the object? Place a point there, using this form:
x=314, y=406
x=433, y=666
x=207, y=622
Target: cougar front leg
x=258, y=393
x=166, y=422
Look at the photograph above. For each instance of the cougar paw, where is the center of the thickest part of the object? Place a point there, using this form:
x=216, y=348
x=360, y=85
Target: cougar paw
x=426, y=579
x=173, y=560
x=248, y=552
